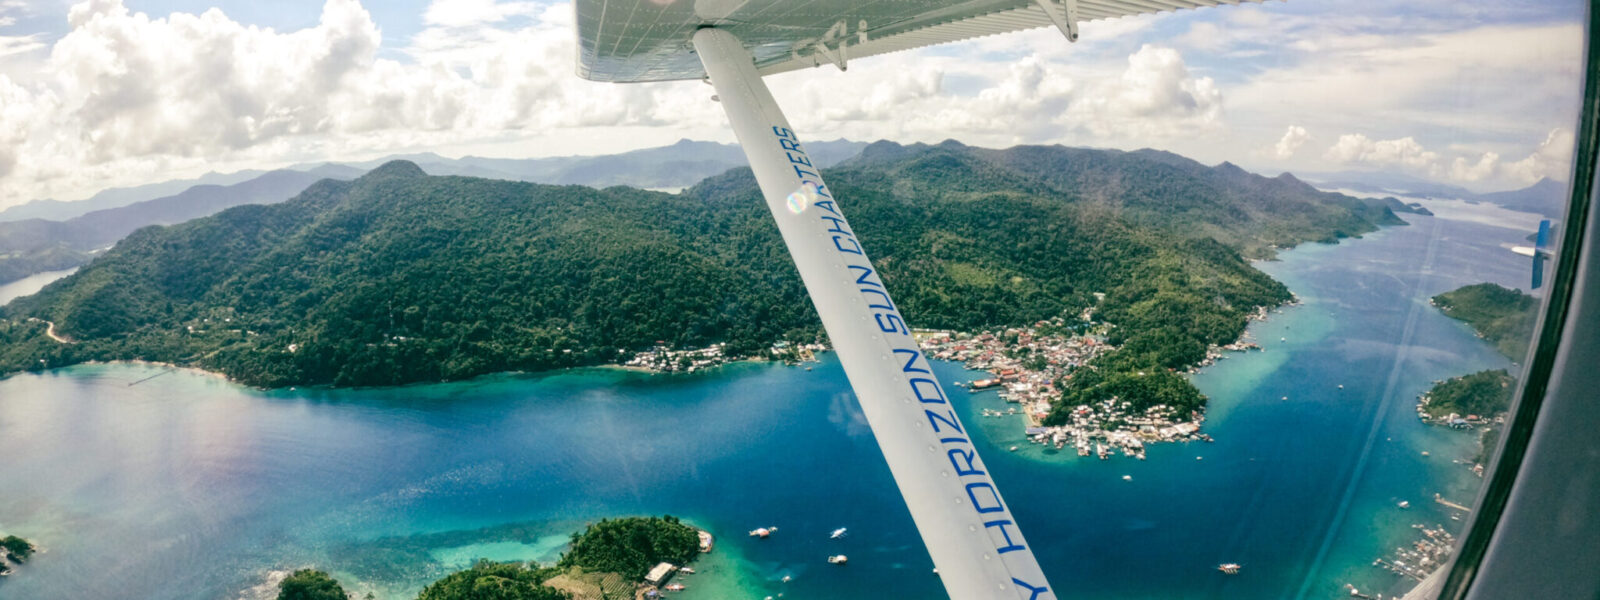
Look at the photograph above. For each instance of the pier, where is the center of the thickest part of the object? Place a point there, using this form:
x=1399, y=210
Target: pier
x=1441, y=500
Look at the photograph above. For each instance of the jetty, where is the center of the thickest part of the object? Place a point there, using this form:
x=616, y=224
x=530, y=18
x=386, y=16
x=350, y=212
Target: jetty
x=1441, y=500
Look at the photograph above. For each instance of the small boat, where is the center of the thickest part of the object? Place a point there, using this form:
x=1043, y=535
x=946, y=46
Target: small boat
x=1405, y=504
x=1127, y=478
x=763, y=532
x=1013, y=448
x=673, y=587
x=837, y=533
x=787, y=578
x=1341, y=386
x=1229, y=568
x=837, y=559
x=1424, y=452
x=686, y=571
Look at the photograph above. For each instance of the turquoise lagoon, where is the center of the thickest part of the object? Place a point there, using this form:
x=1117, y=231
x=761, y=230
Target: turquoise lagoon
x=187, y=486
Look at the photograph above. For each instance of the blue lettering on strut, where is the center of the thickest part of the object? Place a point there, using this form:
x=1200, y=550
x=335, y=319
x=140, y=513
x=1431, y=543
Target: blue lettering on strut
x=927, y=391
x=1010, y=546
x=913, y=366
x=993, y=495
x=1036, y=590
x=912, y=360
x=888, y=304
x=865, y=273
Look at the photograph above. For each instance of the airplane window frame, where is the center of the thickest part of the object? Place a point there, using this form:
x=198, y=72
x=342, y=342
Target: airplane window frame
x=1535, y=396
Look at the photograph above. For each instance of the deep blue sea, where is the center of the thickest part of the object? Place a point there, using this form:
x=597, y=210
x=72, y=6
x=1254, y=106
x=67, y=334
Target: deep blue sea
x=186, y=486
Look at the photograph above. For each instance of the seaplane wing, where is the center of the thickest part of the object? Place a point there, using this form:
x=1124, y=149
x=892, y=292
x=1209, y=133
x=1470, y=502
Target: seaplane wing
x=649, y=40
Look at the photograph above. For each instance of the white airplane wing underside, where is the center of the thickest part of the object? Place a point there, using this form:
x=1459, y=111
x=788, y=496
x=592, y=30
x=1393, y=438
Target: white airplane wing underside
x=649, y=40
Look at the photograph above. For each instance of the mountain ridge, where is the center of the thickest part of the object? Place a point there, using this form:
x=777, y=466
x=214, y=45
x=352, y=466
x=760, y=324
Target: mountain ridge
x=398, y=277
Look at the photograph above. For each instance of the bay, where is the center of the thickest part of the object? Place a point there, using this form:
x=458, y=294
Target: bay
x=29, y=285
x=147, y=482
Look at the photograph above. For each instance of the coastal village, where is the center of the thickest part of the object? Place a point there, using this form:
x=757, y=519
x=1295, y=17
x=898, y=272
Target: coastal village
x=1027, y=364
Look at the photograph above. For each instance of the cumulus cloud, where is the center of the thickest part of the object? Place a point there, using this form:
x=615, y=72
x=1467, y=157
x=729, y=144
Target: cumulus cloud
x=128, y=94
x=1150, y=96
x=1486, y=166
x=1156, y=96
x=1553, y=159
x=1405, y=152
x=1292, y=140
x=122, y=95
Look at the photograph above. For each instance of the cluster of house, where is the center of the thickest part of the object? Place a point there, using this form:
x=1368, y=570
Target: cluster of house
x=1028, y=362
x=1110, y=426
x=1025, y=362
x=1431, y=549
x=1454, y=420
x=663, y=358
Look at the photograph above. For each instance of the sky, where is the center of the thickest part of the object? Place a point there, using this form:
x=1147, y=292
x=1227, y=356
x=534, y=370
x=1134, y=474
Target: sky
x=110, y=93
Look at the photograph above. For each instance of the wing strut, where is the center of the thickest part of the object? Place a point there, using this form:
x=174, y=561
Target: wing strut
x=969, y=531
x=1064, y=16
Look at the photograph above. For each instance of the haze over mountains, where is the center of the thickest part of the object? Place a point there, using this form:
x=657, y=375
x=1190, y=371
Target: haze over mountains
x=676, y=166
x=1545, y=197
x=67, y=238
x=48, y=235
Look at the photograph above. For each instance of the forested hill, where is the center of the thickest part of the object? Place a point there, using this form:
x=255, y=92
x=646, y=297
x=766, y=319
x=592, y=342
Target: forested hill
x=400, y=277
x=1150, y=188
x=1503, y=316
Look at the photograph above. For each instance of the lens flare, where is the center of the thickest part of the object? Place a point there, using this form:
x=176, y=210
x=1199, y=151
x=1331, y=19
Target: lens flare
x=801, y=198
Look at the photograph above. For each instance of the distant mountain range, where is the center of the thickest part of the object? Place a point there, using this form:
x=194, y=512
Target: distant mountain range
x=679, y=165
x=48, y=235
x=57, y=210
x=1546, y=197
x=37, y=245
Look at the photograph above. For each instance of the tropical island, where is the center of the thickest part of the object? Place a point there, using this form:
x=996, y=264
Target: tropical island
x=14, y=550
x=613, y=559
x=1469, y=400
x=1503, y=317
x=400, y=277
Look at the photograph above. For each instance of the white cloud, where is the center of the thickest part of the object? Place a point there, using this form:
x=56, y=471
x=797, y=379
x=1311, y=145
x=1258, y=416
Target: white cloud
x=1156, y=96
x=1292, y=140
x=1487, y=165
x=123, y=95
x=1151, y=95
x=129, y=95
x=18, y=44
x=1553, y=159
x=1403, y=152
